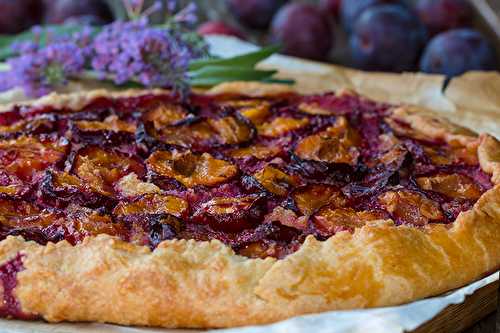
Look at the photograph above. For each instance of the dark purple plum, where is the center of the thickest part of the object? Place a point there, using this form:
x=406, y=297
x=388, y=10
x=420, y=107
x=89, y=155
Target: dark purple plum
x=219, y=28
x=350, y=10
x=16, y=16
x=303, y=31
x=442, y=15
x=255, y=14
x=58, y=11
x=386, y=38
x=456, y=51
x=330, y=7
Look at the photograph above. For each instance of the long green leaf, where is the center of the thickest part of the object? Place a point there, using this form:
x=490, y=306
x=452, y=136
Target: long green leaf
x=245, y=60
x=212, y=75
x=49, y=31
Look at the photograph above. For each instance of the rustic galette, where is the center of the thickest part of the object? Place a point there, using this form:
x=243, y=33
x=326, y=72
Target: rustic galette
x=246, y=204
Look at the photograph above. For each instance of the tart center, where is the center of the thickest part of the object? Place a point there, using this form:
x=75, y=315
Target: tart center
x=260, y=175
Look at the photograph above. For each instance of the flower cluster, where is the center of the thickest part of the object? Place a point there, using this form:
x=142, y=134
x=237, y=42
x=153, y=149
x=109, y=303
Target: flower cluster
x=39, y=71
x=133, y=51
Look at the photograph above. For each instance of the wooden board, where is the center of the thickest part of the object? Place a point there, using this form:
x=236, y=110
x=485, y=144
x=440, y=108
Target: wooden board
x=458, y=317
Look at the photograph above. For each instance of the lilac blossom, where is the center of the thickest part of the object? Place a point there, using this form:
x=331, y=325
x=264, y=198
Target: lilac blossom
x=132, y=51
x=42, y=71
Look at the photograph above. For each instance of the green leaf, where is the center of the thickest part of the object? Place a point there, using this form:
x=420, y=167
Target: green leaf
x=212, y=75
x=49, y=31
x=245, y=60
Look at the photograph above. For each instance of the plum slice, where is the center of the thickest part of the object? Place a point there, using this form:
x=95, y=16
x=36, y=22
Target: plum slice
x=153, y=204
x=232, y=130
x=25, y=157
x=231, y=213
x=164, y=115
x=276, y=181
x=191, y=169
x=195, y=132
x=102, y=169
x=254, y=110
x=81, y=222
x=259, y=151
x=111, y=123
x=15, y=213
x=40, y=124
x=336, y=144
x=451, y=155
x=286, y=217
x=410, y=207
x=281, y=125
x=455, y=186
x=310, y=198
x=330, y=220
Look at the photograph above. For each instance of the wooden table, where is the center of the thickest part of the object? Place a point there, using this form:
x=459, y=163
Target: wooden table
x=475, y=315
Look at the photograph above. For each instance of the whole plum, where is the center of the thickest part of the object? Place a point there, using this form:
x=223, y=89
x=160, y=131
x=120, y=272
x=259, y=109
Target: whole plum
x=386, y=38
x=16, y=16
x=442, y=15
x=330, y=7
x=456, y=51
x=350, y=10
x=256, y=14
x=58, y=11
x=303, y=31
x=219, y=28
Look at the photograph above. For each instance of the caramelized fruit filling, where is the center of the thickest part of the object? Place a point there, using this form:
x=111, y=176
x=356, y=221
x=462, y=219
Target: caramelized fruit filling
x=257, y=174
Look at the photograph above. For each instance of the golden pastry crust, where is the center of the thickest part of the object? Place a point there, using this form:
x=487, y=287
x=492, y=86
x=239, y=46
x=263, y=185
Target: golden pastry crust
x=205, y=284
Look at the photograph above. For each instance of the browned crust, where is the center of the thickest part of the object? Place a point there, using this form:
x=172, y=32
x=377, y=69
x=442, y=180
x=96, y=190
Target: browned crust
x=204, y=284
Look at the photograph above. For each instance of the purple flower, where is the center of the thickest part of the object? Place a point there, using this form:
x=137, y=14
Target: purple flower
x=42, y=71
x=133, y=51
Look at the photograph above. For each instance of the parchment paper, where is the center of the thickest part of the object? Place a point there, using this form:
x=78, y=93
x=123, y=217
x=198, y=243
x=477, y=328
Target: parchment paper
x=472, y=100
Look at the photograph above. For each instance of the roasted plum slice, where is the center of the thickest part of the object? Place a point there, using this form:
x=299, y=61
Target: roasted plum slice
x=80, y=222
x=15, y=213
x=409, y=207
x=276, y=181
x=232, y=130
x=164, y=115
x=259, y=249
x=102, y=169
x=25, y=156
x=111, y=123
x=41, y=124
x=455, y=186
x=281, y=125
x=59, y=189
x=153, y=204
x=231, y=214
x=286, y=217
x=446, y=155
x=131, y=186
x=308, y=199
x=254, y=110
x=258, y=151
x=330, y=220
x=336, y=144
x=199, y=132
x=112, y=131
x=191, y=169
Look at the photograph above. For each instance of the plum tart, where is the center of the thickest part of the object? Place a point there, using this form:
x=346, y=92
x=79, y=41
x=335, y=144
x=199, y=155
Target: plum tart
x=245, y=204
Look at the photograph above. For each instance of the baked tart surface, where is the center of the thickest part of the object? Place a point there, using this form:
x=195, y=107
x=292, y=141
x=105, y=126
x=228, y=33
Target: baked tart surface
x=246, y=205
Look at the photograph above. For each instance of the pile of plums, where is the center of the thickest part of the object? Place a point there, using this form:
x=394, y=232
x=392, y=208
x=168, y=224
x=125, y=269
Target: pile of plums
x=19, y=15
x=433, y=36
